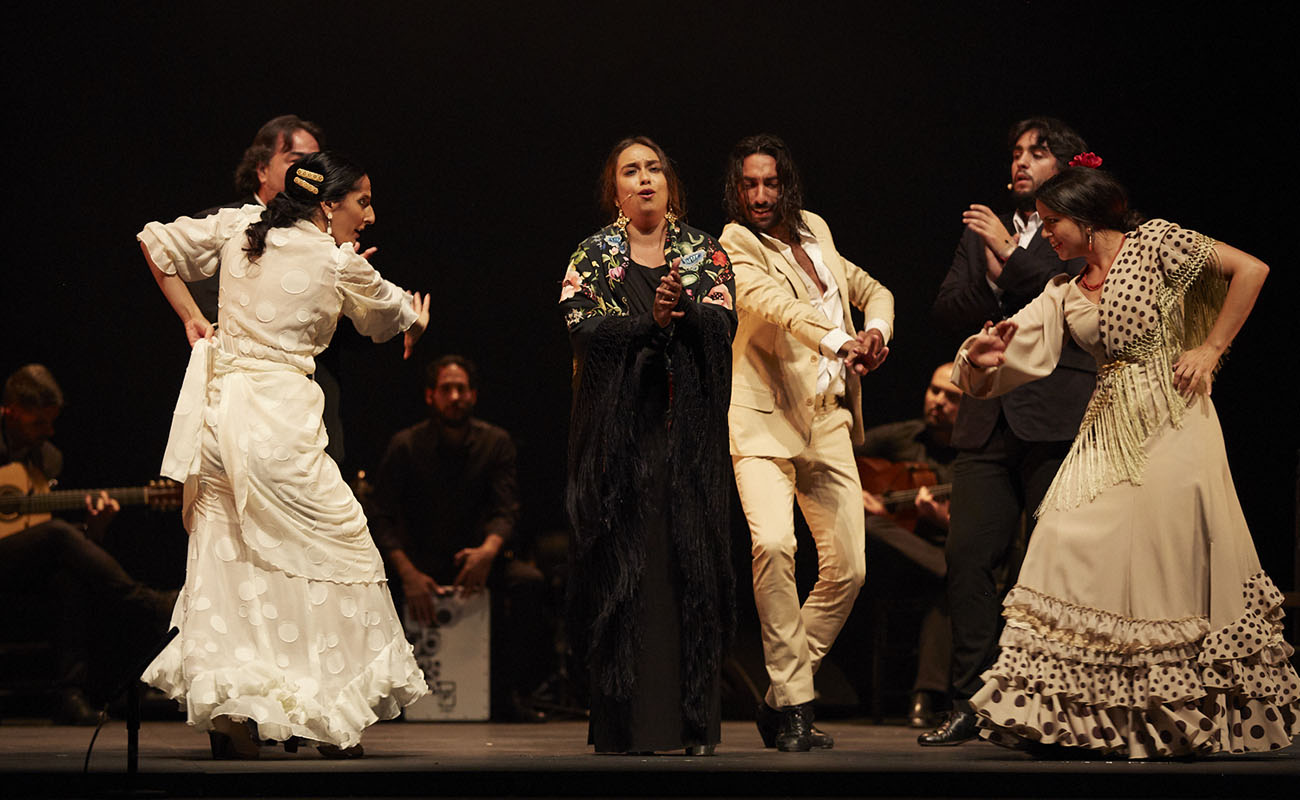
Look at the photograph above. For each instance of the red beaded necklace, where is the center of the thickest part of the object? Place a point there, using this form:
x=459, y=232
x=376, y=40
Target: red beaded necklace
x=1084, y=281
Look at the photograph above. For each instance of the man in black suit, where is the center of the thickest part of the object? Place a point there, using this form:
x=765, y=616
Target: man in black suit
x=1010, y=446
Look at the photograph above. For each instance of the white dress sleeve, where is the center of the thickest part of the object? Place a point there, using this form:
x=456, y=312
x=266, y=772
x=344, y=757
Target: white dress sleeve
x=1032, y=352
x=378, y=308
x=191, y=247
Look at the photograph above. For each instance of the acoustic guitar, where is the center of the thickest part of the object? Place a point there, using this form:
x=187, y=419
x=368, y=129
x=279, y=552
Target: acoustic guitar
x=897, y=483
x=26, y=499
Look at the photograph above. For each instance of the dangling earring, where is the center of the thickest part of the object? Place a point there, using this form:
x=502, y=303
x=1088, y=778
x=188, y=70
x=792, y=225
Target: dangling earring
x=622, y=220
x=670, y=216
x=1090, y=240
x=329, y=224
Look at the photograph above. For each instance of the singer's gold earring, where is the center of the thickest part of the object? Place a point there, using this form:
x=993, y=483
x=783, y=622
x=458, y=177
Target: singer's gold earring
x=1090, y=240
x=622, y=220
x=670, y=216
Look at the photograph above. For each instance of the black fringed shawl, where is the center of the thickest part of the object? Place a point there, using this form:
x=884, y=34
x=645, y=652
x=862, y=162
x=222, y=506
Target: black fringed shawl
x=606, y=494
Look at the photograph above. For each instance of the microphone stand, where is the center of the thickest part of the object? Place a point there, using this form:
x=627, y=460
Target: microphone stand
x=131, y=688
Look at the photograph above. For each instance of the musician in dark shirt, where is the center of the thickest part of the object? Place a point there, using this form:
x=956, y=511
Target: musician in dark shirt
x=443, y=511
x=57, y=558
x=915, y=551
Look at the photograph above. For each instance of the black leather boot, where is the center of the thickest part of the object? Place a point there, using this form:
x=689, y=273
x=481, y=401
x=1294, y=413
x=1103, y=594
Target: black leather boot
x=795, y=735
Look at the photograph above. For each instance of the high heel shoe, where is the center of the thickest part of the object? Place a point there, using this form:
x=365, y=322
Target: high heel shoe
x=332, y=751
x=232, y=740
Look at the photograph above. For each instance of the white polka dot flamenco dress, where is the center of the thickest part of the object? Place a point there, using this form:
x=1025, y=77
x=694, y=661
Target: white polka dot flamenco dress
x=285, y=618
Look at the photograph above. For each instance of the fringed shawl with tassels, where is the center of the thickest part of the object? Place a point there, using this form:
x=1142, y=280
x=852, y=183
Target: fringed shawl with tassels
x=607, y=494
x=1162, y=295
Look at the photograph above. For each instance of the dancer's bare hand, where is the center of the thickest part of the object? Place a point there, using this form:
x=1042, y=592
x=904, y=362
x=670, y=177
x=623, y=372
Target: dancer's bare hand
x=867, y=352
x=989, y=348
x=1194, y=369
x=418, y=327
x=198, y=328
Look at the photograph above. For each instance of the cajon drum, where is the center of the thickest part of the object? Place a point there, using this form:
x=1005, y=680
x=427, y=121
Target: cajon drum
x=454, y=654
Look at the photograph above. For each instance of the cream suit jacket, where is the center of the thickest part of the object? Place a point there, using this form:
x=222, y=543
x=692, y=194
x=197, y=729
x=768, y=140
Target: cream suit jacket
x=776, y=351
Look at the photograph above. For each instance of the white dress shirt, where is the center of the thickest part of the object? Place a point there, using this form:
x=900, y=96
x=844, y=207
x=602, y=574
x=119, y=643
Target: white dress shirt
x=1025, y=228
x=830, y=370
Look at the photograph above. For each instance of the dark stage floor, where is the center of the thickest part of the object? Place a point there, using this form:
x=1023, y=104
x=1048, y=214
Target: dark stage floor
x=550, y=760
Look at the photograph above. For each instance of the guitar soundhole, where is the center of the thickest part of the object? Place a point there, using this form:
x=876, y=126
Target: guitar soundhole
x=9, y=498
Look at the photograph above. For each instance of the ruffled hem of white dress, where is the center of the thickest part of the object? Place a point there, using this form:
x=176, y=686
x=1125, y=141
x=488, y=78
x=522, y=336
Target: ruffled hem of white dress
x=278, y=705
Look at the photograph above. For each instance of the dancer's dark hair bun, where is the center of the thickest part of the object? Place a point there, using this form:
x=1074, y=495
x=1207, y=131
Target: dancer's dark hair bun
x=1089, y=196
x=311, y=180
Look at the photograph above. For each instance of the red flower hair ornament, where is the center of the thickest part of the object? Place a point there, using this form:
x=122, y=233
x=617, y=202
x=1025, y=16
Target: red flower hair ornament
x=1086, y=160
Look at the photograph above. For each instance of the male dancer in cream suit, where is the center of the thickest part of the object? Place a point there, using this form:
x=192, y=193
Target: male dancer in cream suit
x=796, y=411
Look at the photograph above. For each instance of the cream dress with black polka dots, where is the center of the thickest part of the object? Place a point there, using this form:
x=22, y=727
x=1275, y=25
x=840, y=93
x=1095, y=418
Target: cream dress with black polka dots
x=1141, y=623
x=285, y=617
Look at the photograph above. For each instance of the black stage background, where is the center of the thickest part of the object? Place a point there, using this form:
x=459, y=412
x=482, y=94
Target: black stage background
x=483, y=126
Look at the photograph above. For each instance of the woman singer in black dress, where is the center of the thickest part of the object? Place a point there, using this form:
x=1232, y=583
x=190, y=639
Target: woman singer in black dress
x=648, y=304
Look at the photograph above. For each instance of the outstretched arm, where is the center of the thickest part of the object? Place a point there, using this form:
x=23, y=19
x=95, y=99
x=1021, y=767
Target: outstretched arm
x=1016, y=351
x=1245, y=275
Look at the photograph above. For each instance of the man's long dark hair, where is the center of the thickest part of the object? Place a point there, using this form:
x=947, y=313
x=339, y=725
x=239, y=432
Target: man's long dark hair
x=276, y=136
x=788, y=209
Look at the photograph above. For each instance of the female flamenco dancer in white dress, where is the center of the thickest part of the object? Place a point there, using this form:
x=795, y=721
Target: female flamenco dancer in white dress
x=287, y=629
x=1141, y=624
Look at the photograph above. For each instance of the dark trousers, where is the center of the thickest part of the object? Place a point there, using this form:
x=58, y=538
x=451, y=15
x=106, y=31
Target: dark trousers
x=56, y=559
x=991, y=488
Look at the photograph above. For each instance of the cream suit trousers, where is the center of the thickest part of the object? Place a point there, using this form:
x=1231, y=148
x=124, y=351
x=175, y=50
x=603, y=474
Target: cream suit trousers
x=825, y=478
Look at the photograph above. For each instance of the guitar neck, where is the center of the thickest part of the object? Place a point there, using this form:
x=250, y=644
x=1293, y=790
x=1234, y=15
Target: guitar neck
x=68, y=499
x=938, y=491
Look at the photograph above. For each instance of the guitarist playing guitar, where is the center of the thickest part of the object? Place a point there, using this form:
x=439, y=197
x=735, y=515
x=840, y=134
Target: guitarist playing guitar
x=54, y=557
x=905, y=474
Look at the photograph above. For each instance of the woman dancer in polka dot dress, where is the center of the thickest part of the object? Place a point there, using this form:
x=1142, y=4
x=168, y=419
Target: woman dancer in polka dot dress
x=287, y=629
x=1141, y=623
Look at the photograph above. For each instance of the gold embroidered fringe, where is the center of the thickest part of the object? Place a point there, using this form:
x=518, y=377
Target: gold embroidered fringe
x=1123, y=412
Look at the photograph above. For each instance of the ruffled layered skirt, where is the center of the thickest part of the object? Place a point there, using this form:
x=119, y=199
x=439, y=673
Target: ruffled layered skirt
x=285, y=618
x=1142, y=624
